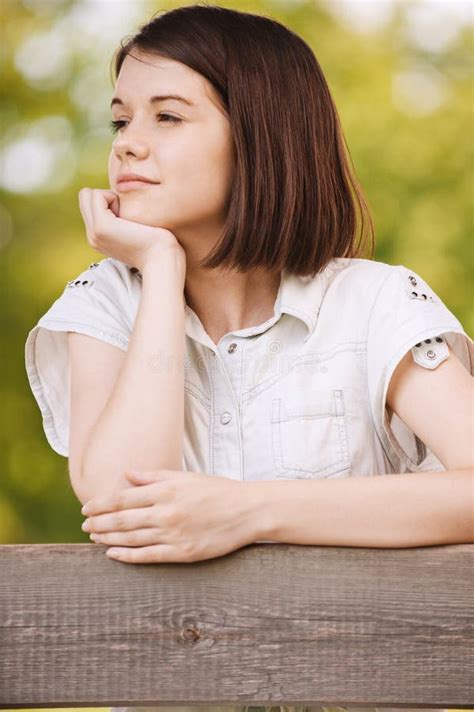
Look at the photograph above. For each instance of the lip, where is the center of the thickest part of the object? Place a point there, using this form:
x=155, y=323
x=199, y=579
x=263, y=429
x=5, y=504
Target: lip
x=124, y=186
x=134, y=176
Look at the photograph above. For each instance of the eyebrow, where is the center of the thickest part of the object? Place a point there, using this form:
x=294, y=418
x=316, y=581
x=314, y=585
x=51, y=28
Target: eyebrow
x=155, y=99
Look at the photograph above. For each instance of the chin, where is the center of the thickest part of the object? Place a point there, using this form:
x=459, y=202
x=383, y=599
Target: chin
x=130, y=210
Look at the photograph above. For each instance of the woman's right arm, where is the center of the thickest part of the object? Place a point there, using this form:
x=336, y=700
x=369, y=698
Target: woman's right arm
x=142, y=424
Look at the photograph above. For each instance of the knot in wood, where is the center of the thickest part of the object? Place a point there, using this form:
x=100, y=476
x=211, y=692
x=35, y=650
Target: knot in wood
x=190, y=633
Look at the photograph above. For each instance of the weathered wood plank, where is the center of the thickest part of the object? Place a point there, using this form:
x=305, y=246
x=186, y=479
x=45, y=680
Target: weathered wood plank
x=267, y=624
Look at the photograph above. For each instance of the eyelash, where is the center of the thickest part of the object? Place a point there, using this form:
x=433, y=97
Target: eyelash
x=117, y=125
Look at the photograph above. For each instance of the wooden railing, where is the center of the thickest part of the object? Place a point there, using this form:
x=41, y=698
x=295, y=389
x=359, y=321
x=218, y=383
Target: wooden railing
x=266, y=624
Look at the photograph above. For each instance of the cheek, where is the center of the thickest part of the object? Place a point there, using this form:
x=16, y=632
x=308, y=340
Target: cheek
x=205, y=176
x=204, y=163
x=204, y=192
x=223, y=161
x=112, y=166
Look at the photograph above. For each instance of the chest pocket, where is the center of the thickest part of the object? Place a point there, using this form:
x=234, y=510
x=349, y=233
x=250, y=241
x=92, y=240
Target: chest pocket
x=309, y=435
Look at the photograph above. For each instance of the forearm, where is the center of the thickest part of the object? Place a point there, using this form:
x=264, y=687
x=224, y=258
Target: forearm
x=142, y=425
x=402, y=510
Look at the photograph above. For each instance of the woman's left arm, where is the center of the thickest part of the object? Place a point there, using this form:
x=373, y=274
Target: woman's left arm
x=188, y=516
x=405, y=510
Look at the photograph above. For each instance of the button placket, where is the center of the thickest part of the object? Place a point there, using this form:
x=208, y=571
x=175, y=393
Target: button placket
x=226, y=440
x=226, y=417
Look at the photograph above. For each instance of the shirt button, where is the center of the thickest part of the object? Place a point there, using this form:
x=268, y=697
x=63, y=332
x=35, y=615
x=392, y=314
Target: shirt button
x=231, y=348
x=225, y=418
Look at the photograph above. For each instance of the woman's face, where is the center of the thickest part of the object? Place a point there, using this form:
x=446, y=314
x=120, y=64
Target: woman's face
x=187, y=148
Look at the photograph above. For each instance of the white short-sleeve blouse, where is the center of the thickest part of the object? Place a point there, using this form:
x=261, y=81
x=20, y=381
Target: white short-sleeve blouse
x=301, y=395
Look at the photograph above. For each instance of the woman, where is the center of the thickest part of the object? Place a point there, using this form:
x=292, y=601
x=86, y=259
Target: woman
x=234, y=340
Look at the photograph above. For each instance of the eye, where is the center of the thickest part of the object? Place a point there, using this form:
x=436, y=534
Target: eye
x=117, y=125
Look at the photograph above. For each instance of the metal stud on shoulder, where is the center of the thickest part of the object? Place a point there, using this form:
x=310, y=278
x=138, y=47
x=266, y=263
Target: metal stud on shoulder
x=422, y=291
x=424, y=297
x=79, y=283
x=430, y=352
x=86, y=282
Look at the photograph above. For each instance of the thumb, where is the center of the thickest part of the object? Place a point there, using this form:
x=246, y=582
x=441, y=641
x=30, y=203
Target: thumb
x=113, y=202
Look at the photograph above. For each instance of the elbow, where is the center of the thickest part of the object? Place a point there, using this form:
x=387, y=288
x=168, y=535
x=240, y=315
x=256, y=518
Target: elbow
x=77, y=484
x=99, y=482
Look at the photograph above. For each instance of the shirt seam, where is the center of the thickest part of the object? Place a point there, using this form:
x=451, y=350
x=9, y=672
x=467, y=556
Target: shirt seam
x=44, y=323
x=383, y=445
x=40, y=395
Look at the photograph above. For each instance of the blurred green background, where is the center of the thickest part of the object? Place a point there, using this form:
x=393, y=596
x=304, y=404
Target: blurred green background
x=401, y=76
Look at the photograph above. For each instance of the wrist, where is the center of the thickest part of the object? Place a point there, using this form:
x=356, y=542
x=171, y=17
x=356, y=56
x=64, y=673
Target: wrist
x=169, y=262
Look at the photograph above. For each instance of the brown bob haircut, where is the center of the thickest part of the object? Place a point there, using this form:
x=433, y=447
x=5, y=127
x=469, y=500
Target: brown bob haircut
x=293, y=200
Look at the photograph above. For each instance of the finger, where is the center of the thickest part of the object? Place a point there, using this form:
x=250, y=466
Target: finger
x=114, y=204
x=122, y=521
x=148, y=554
x=107, y=199
x=134, y=537
x=143, y=477
x=127, y=498
x=86, y=211
x=155, y=475
x=100, y=201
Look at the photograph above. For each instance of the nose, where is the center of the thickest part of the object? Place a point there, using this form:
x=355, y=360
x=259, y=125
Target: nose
x=130, y=144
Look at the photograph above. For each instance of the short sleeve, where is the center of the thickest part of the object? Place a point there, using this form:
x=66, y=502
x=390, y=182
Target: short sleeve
x=99, y=302
x=407, y=315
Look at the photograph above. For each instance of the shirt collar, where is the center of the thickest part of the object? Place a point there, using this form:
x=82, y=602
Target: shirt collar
x=298, y=296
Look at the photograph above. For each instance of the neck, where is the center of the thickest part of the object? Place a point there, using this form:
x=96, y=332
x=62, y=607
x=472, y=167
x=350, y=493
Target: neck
x=227, y=301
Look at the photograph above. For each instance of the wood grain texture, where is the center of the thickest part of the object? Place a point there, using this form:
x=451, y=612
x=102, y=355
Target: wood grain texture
x=267, y=624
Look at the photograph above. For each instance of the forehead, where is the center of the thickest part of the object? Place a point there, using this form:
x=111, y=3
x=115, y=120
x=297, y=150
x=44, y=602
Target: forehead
x=142, y=75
